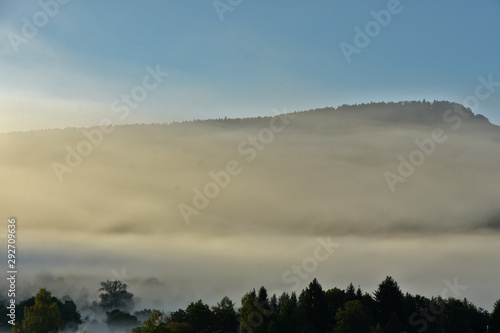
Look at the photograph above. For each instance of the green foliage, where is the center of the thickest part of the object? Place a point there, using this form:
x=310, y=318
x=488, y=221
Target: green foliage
x=225, y=316
x=143, y=315
x=350, y=293
x=159, y=323
x=393, y=324
x=313, y=307
x=253, y=317
x=316, y=311
x=494, y=325
x=181, y=328
x=263, y=299
x=287, y=316
x=389, y=300
x=179, y=316
x=43, y=317
x=69, y=314
x=248, y=311
x=154, y=324
x=120, y=319
x=463, y=317
x=335, y=299
x=353, y=318
x=21, y=307
x=200, y=316
x=114, y=295
x=4, y=319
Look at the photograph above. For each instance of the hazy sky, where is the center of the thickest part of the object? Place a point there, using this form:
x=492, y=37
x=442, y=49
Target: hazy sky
x=67, y=67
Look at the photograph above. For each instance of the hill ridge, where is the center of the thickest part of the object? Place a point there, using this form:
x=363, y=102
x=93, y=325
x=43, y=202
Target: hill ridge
x=417, y=111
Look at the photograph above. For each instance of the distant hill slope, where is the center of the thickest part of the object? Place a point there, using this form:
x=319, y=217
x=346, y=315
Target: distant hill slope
x=407, y=112
x=345, y=170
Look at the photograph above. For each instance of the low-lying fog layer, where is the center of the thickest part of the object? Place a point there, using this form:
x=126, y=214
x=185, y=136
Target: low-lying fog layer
x=209, y=209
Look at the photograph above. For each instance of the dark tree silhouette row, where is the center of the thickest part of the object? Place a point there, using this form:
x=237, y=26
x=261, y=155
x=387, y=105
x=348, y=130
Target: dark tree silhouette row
x=314, y=310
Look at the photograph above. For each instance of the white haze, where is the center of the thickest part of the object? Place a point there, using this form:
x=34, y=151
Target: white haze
x=117, y=214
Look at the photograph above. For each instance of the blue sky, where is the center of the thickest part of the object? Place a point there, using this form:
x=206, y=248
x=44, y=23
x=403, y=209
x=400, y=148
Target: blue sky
x=262, y=55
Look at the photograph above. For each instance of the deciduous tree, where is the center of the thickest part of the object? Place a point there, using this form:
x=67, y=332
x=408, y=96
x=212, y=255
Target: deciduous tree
x=114, y=295
x=43, y=317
